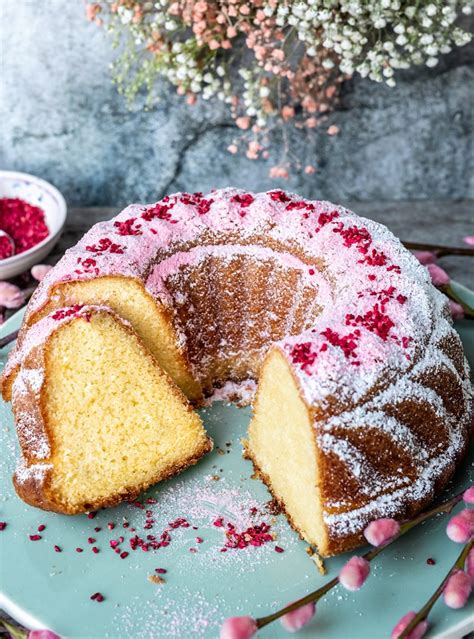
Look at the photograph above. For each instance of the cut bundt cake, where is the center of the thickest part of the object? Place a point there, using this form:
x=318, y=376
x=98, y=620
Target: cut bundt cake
x=364, y=403
x=97, y=419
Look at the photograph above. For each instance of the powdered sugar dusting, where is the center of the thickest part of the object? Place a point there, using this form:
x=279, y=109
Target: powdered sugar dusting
x=240, y=393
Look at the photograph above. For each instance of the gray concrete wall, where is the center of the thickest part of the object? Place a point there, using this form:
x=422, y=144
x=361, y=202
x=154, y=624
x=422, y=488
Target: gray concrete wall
x=61, y=118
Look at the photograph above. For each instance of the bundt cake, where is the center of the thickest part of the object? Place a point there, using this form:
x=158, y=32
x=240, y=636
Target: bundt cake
x=364, y=403
x=97, y=419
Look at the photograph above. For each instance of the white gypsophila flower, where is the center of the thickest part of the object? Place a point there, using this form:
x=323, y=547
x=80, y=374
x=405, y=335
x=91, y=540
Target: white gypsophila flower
x=372, y=37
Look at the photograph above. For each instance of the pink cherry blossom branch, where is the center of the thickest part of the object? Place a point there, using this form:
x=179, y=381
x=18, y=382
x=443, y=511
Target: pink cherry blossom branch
x=423, y=613
x=446, y=507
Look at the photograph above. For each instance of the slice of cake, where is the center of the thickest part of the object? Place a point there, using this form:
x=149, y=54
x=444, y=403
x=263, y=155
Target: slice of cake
x=98, y=420
x=282, y=445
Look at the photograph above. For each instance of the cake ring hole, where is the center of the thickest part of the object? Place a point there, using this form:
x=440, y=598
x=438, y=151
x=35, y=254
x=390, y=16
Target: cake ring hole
x=230, y=310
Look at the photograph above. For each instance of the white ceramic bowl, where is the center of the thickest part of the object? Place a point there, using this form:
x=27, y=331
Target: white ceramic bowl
x=42, y=194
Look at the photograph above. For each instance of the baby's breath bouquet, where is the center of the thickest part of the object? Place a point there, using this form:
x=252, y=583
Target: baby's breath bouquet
x=273, y=61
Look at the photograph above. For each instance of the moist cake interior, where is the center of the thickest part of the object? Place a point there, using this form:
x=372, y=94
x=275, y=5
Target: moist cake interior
x=283, y=447
x=116, y=421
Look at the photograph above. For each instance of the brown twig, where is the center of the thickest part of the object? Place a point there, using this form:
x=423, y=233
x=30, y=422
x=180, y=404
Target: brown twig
x=445, y=507
x=11, y=337
x=439, y=250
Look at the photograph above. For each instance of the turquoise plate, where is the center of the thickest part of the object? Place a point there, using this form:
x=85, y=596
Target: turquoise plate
x=43, y=588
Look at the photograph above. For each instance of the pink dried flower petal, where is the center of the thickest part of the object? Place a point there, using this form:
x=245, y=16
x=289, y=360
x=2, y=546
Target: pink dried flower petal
x=469, y=239
x=11, y=296
x=416, y=633
x=354, y=573
x=425, y=257
x=457, y=311
x=380, y=531
x=297, y=619
x=468, y=495
x=238, y=628
x=333, y=130
x=43, y=634
x=439, y=277
x=39, y=271
x=469, y=565
x=457, y=590
x=460, y=528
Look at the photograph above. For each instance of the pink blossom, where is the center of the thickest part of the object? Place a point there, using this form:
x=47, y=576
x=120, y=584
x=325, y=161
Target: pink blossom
x=232, y=148
x=354, y=573
x=11, y=296
x=309, y=104
x=238, y=628
x=456, y=310
x=439, y=277
x=287, y=113
x=278, y=171
x=461, y=527
x=457, y=589
x=39, y=271
x=469, y=565
x=469, y=239
x=416, y=633
x=380, y=531
x=92, y=9
x=297, y=619
x=42, y=634
x=425, y=257
x=309, y=169
x=253, y=149
x=468, y=495
x=243, y=122
x=333, y=130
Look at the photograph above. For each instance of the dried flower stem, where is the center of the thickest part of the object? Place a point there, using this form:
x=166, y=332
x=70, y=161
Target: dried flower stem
x=424, y=612
x=445, y=507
